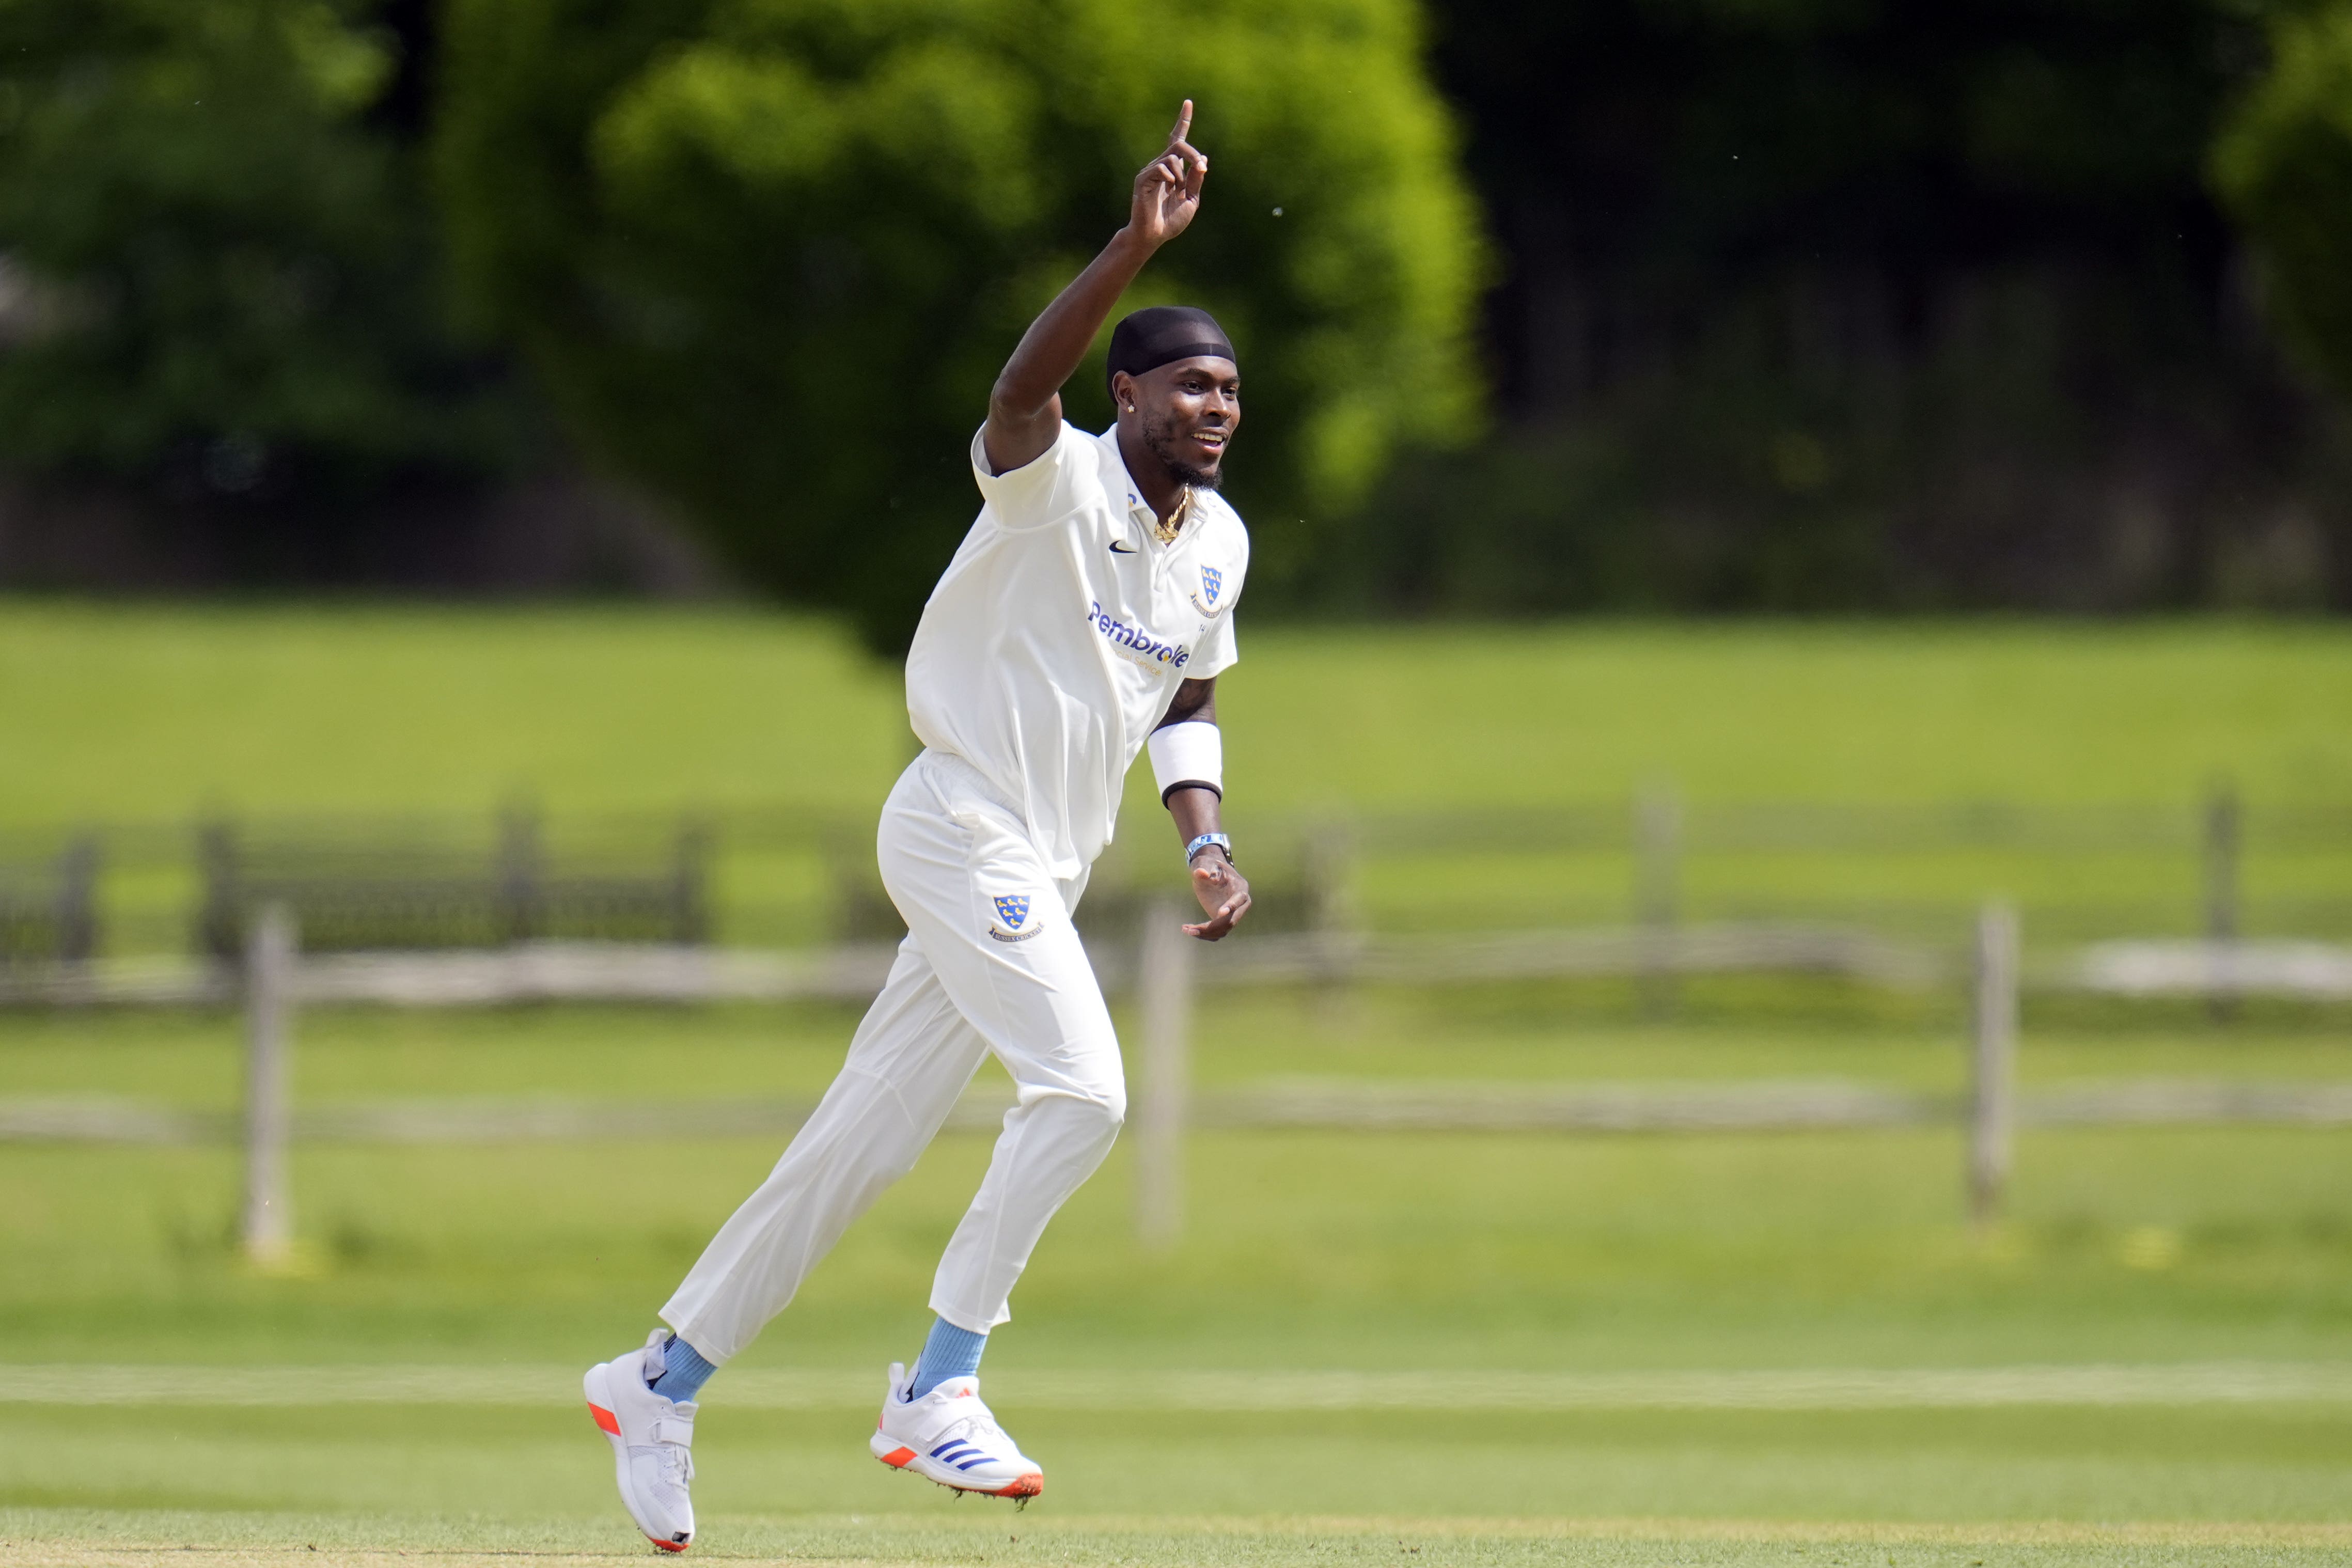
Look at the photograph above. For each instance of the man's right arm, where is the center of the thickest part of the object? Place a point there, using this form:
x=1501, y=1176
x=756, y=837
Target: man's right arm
x=1024, y=411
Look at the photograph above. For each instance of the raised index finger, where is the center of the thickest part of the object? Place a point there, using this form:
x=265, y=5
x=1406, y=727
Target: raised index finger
x=1183, y=124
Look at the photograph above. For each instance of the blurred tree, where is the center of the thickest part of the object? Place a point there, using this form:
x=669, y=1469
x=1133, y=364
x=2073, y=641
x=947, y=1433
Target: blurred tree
x=768, y=255
x=2284, y=163
x=218, y=267
x=1848, y=304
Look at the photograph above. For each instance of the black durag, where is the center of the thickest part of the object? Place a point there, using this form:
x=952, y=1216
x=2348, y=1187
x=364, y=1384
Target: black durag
x=1162, y=334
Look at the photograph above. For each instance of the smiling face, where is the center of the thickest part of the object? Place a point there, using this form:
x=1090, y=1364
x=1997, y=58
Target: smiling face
x=1184, y=413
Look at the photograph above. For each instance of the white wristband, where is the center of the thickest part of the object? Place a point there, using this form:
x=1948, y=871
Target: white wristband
x=1192, y=752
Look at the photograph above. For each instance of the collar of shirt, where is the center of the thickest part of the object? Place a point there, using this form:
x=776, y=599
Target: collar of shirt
x=1141, y=510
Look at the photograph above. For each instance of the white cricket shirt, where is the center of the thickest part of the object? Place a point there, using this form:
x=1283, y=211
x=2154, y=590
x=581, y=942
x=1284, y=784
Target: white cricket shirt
x=1055, y=640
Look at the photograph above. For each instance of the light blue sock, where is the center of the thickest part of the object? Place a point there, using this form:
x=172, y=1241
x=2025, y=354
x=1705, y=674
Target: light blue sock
x=684, y=1370
x=949, y=1352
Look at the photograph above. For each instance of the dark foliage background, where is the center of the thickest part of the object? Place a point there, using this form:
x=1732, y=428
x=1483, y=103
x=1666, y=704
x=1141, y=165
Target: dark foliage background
x=1796, y=304
x=767, y=256
x=1829, y=305
x=221, y=292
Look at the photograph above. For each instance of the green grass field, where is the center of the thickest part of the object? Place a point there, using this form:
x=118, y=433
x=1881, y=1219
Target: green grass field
x=2221, y=1258
x=70, y=1539
x=143, y=714
x=148, y=717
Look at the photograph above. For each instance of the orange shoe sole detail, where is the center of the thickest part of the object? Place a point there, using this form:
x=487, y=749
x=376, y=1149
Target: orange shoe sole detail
x=1020, y=1487
x=669, y=1545
x=610, y=1422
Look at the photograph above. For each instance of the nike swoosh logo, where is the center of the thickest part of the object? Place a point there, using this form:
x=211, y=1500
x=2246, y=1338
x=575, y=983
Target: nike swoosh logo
x=1119, y=549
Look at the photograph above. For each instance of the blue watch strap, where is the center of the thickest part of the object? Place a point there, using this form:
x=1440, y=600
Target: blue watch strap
x=1193, y=849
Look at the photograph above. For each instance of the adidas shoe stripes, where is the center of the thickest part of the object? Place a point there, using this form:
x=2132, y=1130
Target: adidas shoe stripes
x=949, y=1436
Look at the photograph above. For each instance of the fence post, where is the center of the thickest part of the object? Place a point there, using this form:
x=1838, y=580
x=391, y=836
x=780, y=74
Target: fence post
x=77, y=909
x=2223, y=842
x=217, y=922
x=1657, y=874
x=1325, y=864
x=1992, y=1116
x=520, y=874
x=1164, y=997
x=268, y=1224
x=689, y=915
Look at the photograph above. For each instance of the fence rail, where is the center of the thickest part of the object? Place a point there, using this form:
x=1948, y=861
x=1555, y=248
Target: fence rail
x=1755, y=1105
x=613, y=972
x=1164, y=972
x=649, y=875
x=2313, y=970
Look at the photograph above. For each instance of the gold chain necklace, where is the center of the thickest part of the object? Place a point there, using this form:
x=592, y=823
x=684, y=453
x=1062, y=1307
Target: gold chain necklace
x=1168, y=531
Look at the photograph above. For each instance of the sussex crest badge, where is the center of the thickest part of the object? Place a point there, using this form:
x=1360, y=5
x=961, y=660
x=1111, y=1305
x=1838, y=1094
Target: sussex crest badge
x=1013, y=909
x=1212, y=588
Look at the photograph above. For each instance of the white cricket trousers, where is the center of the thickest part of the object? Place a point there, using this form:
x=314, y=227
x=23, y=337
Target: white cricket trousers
x=977, y=973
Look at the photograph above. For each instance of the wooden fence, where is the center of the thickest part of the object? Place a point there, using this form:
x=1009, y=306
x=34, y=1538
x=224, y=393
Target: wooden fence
x=1164, y=969
x=793, y=875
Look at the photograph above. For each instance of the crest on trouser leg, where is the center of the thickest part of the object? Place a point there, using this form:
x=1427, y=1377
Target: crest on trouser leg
x=1013, y=909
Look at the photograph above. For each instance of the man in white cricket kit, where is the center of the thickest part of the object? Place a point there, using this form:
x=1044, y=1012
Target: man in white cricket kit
x=1087, y=616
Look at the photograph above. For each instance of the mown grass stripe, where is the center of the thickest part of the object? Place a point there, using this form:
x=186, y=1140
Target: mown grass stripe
x=1823, y=1388
x=82, y=1538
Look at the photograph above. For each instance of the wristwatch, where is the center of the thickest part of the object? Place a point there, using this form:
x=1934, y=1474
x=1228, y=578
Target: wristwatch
x=1193, y=850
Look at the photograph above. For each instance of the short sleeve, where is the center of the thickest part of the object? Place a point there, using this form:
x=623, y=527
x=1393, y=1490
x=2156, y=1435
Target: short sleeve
x=1218, y=651
x=1046, y=489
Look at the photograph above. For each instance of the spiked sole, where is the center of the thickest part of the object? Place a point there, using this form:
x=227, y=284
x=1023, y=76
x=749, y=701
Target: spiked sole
x=1020, y=1489
x=610, y=1424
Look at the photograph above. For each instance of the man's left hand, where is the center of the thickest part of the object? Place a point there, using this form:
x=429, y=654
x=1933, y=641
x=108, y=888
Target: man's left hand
x=1223, y=893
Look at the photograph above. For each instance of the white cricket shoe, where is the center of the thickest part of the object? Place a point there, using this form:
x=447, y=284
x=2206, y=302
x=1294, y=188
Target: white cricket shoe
x=652, y=1439
x=949, y=1436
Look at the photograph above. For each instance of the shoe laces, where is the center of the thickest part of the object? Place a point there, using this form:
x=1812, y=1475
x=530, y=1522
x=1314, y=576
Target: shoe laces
x=675, y=1459
x=677, y=1463
x=979, y=1428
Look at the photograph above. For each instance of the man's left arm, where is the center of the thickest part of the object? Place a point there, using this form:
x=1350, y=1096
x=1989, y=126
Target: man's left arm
x=1188, y=760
